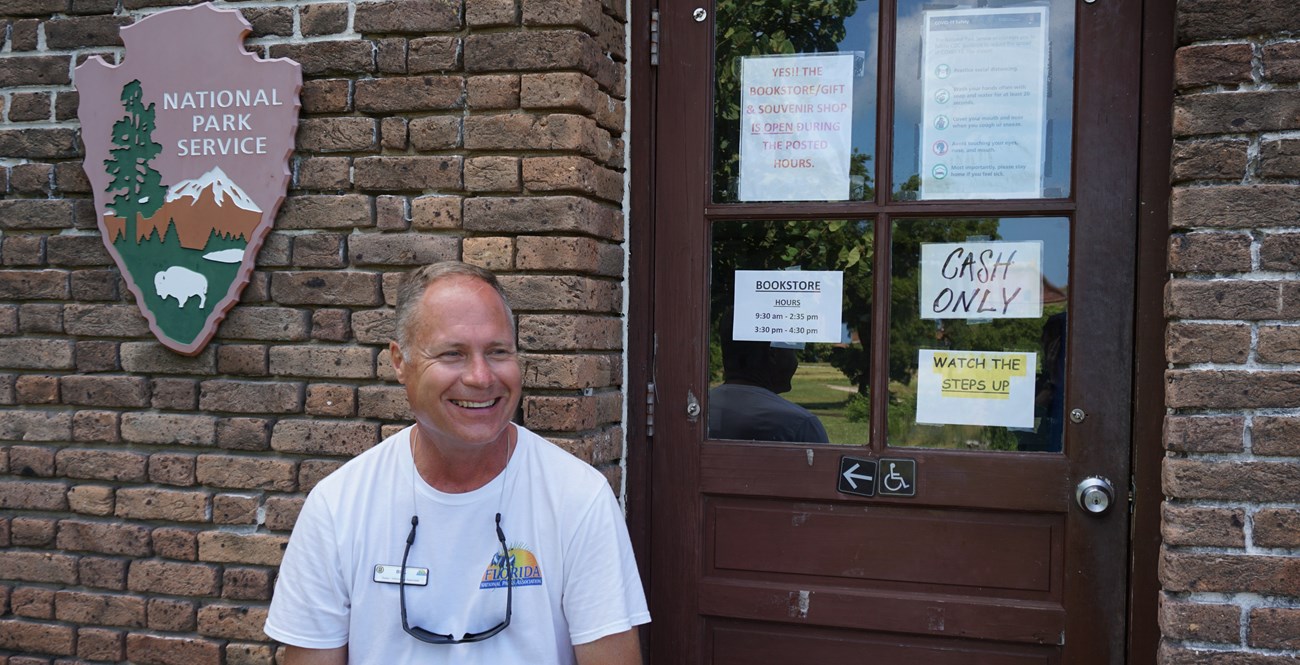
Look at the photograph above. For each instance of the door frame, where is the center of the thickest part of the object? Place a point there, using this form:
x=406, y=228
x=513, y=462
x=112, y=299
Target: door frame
x=1158, y=42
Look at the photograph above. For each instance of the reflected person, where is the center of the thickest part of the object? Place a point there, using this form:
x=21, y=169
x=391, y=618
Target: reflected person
x=748, y=405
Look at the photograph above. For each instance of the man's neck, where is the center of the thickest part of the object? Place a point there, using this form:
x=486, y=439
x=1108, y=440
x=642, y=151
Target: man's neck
x=456, y=471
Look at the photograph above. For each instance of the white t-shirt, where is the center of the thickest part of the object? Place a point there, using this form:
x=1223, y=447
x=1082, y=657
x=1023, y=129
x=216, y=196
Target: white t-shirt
x=575, y=578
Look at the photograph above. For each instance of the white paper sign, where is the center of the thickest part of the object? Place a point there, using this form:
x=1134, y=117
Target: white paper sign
x=788, y=305
x=975, y=388
x=984, y=83
x=982, y=280
x=796, y=116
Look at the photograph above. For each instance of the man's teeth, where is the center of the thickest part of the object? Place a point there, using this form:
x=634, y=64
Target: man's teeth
x=473, y=405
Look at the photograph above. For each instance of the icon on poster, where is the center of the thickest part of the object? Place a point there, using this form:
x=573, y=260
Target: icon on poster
x=942, y=95
x=941, y=122
x=939, y=172
x=940, y=147
x=942, y=71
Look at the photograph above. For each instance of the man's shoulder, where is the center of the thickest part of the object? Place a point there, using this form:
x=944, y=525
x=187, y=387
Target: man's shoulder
x=556, y=462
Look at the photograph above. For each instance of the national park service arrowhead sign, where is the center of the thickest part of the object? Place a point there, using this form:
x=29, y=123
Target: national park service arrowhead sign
x=187, y=152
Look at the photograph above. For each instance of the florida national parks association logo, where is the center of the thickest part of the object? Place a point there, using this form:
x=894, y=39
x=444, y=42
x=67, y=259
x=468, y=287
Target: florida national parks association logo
x=187, y=151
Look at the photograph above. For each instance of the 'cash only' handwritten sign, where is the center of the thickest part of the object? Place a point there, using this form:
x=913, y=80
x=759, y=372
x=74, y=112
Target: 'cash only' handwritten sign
x=982, y=280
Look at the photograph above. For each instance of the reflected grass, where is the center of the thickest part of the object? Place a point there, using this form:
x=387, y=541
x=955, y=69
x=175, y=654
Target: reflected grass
x=825, y=391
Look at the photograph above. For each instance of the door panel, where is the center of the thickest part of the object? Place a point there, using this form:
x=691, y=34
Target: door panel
x=757, y=556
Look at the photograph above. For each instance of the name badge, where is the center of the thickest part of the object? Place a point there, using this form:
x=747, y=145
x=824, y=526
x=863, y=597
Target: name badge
x=386, y=574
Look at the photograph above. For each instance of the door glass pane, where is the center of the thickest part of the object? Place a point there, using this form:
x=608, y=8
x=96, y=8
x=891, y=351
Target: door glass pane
x=773, y=286
x=800, y=77
x=983, y=99
x=977, y=335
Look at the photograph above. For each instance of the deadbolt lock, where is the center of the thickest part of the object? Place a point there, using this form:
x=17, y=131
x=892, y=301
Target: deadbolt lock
x=1095, y=495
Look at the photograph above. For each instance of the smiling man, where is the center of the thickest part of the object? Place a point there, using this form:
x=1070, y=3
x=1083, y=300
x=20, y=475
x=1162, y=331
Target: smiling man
x=464, y=538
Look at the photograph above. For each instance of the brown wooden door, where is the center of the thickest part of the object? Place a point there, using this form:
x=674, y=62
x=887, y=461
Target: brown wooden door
x=756, y=554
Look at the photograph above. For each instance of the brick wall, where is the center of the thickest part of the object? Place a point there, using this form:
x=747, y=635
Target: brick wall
x=145, y=498
x=1230, y=566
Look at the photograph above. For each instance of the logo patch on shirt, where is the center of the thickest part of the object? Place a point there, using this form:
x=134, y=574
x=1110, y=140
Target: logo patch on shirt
x=523, y=565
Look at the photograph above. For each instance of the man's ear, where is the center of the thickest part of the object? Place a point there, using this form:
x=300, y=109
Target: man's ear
x=395, y=357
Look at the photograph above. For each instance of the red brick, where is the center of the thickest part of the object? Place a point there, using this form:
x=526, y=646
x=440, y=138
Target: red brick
x=485, y=13
x=176, y=543
x=33, y=495
x=1210, y=252
x=171, y=469
x=408, y=173
x=282, y=512
x=157, y=650
x=562, y=292
x=1277, y=527
x=37, y=389
x=401, y=250
x=1280, y=251
x=91, y=285
x=1274, y=628
x=410, y=93
x=1230, y=573
x=35, y=143
x=246, y=583
x=492, y=92
x=172, y=578
x=32, y=603
x=325, y=399
x=1195, y=526
x=162, y=428
x=1205, y=343
x=325, y=212
x=154, y=358
x=244, y=433
x=266, y=323
x=240, y=653
x=177, y=616
x=325, y=437
x=104, y=321
x=104, y=537
x=1199, y=622
x=1231, y=481
x=32, y=531
x=228, y=547
x=383, y=402
x=32, y=637
x=1231, y=299
x=268, y=21
x=235, y=509
x=175, y=394
x=547, y=332
x=329, y=57
x=569, y=254
x=572, y=174
x=337, y=134
x=555, y=132
x=250, y=397
x=100, y=609
x=102, y=464
x=322, y=362
x=1232, y=113
x=1281, y=62
x=326, y=96
x=1279, y=158
x=23, y=251
x=95, y=426
x=311, y=472
x=1208, y=19
x=28, y=425
x=493, y=253
x=331, y=325
x=232, y=622
x=541, y=49
x=428, y=55
x=32, y=214
x=246, y=472
x=1234, y=206
x=38, y=567
x=101, y=644
x=28, y=353
x=245, y=359
x=77, y=251
x=433, y=133
x=1272, y=435
x=102, y=572
x=571, y=372
x=83, y=31
x=568, y=414
x=1231, y=389
x=325, y=19
x=543, y=215
x=32, y=460
x=40, y=318
x=91, y=500
x=111, y=391
x=326, y=288
x=1208, y=64
x=318, y=250
x=144, y=503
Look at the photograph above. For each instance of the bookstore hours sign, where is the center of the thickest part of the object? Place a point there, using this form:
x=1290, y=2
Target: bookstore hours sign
x=187, y=152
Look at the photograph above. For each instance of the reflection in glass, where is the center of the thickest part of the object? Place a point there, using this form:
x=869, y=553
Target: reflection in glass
x=766, y=392
x=746, y=28
x=982, y=86
x=911, y=336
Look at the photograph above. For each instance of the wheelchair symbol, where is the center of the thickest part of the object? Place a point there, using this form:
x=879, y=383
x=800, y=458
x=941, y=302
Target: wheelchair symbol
x=894, y=481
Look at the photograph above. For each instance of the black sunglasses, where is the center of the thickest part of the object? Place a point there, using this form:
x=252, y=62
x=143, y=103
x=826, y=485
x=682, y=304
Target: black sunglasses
x=438, y=638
